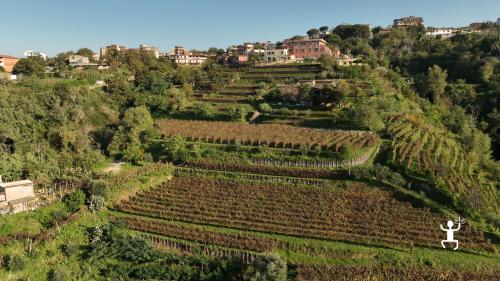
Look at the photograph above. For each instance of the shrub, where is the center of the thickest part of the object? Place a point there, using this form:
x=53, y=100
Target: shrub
x=264, y=107
x=59, y=274
x=96, y=203
x=69, y=249
x=16, y=262
x=98, y=188
x=74, y=200
x=269, y=267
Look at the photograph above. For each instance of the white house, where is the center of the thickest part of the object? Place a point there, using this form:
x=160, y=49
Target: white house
x=30, y=54
x=443, y=32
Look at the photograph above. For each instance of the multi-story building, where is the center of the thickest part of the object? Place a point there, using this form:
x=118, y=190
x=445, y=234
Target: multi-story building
x=303, y=48
x=17, y=196
x=104, y=50
x=31, y=54
x=275, y=53
x=8, y=62
x=181, y=56
x=408, y=22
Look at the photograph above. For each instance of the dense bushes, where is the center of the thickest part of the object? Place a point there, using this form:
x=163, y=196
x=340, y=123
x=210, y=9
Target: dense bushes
x=380, y=173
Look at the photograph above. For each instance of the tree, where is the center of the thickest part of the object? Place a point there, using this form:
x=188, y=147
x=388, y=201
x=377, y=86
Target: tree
x=363, y=116
x=436, y=82
x=346, y=31
x=86, y=52
x=30, y=66
x=238, y=113
x=312, y=32
x=136, y=127
x=333, y=39
x=461, y=93
x=204, y=110
x=2, y=69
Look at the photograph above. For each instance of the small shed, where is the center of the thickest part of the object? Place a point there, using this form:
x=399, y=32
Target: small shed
x=17, y=196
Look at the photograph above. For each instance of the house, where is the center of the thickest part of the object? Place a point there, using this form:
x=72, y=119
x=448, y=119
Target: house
x=77, y=59
x=245, y=49
x=303, y=48
x=154, y=50
x=227, y=59
x=276, y=53
x=35, y=54
x=181, y=56
x=17, y=196
x=8, y=62
x=405, y=22
x=443, y=32
x=81, y=62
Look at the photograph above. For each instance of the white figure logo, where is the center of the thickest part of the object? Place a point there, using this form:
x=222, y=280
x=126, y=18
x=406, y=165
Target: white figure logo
x=449, y=232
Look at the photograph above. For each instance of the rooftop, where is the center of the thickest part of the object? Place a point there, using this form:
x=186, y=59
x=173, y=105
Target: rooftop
x=7, y=57
x=15, y=183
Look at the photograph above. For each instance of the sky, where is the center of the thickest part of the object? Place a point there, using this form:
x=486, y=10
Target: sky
x=54, y=26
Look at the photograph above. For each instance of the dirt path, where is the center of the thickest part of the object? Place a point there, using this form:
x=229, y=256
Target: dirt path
x=114, y=168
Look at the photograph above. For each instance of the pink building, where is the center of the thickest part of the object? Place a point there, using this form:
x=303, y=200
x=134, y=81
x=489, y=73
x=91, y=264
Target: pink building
x=308, y=48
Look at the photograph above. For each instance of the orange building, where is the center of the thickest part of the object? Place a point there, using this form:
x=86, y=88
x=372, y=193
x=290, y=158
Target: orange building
x=8, y=62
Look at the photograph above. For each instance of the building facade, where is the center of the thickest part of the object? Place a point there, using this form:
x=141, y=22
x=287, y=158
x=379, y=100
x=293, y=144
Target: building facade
x=77, y=59
x=104, y=50
x=17, y=196
x=443, y=32
x=308, y=48
x=153, y=50
x=181, y=56
x=35, y=54
x=277, y=54
x=8, y=62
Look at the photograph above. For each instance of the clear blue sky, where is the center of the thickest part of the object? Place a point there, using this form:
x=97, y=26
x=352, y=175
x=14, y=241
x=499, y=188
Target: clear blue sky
x=53, y=26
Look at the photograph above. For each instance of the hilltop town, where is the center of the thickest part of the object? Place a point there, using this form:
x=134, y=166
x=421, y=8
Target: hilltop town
x=318, y=42
x=346, y=153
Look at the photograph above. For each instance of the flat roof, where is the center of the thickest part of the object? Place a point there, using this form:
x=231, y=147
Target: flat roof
x=15, y=183
x=7, y=57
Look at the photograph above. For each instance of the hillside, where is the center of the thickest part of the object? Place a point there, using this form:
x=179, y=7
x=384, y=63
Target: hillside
x=296, y=171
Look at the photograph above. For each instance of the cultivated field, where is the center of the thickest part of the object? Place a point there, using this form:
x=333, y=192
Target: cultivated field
x=357, y=214
x=280, y=136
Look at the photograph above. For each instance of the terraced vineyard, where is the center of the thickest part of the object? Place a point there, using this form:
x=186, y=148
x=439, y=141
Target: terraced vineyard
x=282, y=72
x=357, y=214
x=427, y=149
x=349, y=273
x=271, y=135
